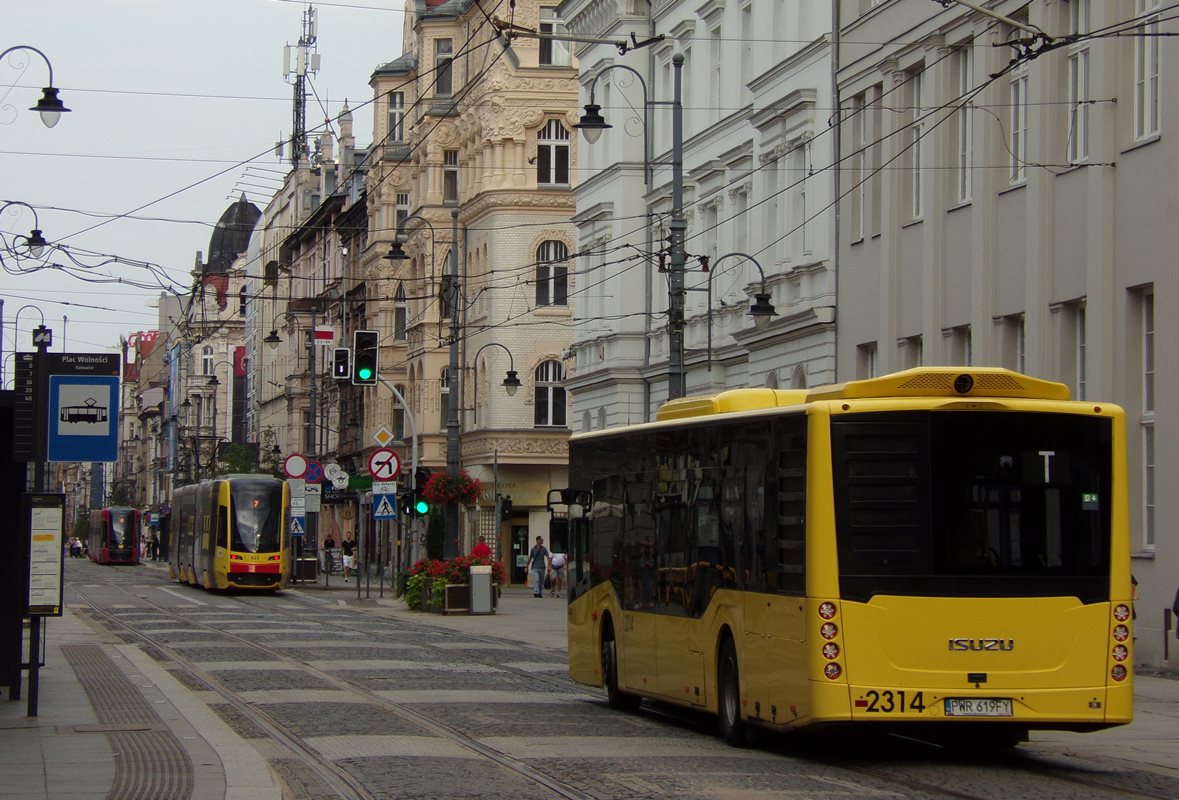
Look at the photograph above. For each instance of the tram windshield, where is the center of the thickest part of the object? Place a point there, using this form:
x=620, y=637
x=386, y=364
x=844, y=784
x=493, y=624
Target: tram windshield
x=256, y=509
x=122, y=533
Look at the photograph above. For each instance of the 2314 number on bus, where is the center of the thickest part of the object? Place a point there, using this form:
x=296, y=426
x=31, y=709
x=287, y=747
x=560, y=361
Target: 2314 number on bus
x=887, y=701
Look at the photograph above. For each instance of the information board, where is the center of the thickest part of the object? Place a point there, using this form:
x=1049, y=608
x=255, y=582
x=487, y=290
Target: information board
x=45, y=527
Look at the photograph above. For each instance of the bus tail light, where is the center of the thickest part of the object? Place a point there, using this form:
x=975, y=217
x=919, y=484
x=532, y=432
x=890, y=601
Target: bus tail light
x=827, y=609
x=833, y=670
x=1118, y=673
x=1120, y=653
x=831, y=651
x=829, y=631
x=1121, y=633
x=1121, y=612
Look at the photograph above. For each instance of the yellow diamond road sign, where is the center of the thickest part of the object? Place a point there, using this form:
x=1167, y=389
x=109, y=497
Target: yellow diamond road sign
x=383, y=436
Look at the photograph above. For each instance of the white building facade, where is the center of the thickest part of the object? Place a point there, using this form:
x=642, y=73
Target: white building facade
x=1019, y=212
x=755, y=86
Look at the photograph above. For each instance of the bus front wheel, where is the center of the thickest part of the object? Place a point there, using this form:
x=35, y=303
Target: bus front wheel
x=728, y=705
x=618, y=699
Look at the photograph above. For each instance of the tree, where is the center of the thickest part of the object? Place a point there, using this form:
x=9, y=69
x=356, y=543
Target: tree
x=237, y=458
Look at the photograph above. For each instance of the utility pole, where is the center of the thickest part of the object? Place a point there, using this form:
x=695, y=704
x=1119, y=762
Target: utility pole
x=676, y=381
x=450, y=547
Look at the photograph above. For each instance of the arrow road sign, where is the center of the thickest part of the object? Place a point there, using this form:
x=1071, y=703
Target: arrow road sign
x=384, y=465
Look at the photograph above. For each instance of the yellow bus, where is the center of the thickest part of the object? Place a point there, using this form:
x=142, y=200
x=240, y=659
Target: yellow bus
x=230, y=533
x=942, y=550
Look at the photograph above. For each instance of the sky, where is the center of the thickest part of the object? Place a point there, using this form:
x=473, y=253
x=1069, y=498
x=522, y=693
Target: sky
x=176, y=106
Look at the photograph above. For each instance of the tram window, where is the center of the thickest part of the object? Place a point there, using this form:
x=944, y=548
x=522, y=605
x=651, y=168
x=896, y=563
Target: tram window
x=222, y=527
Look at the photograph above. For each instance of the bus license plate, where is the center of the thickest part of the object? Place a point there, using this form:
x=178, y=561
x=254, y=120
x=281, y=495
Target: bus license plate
x=978, y=707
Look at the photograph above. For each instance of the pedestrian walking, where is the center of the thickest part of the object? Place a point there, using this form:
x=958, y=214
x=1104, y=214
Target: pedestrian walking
x=538, y=566
x=348, y=546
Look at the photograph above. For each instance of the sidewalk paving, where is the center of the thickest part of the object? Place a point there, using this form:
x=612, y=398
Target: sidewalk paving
x=63, y=754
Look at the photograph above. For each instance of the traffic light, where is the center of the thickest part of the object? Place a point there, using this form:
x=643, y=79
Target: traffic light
x=421, y=477
x=505, y=508
x=364, y=357
x=341, y=364
x=405, y=504
x=421, y=505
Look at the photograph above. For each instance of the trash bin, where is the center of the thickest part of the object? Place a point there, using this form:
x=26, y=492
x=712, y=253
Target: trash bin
x=481, y=589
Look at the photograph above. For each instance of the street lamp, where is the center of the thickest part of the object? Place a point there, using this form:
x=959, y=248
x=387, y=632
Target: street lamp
x=761, y=310
x=49, y=106
x=591, y=124
x=34, y=243
x=511, y=381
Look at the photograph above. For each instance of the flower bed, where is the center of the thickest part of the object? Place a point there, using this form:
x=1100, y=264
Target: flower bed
x=428, y=581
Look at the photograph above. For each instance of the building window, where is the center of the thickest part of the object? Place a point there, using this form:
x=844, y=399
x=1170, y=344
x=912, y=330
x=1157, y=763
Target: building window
x=1079, y=322
x=912, y=352
x=1077, y=77
x=965, y=121
x=443, y=68
x=1146, y=71
x=859, y=162
x=207, y=359
x=916, y=133
x=866, y=360
x=549, y=408
x=396, y=133
x=401, y=213
x=242, y=299
x=716, y=53
x=1018, y=123
x=552, y=154
x=400, y=313
x=960, y=345
x=450, y=177
x=1145, y=302
x=552, y=274
x=553, y=52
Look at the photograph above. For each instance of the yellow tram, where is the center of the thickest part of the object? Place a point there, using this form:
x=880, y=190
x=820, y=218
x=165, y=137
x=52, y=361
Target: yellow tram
x=230, y=533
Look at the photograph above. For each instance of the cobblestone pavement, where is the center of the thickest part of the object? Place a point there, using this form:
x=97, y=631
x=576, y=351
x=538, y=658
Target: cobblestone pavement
x=331, y=687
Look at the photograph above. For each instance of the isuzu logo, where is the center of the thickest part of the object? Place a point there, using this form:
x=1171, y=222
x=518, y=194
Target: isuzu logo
x=982, y=644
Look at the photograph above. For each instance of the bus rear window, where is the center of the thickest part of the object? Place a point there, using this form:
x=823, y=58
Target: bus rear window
x=979, y=503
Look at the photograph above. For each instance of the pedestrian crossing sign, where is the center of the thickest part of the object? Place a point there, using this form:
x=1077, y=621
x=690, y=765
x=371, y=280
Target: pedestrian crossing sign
x=298, y=526
x=383, y=507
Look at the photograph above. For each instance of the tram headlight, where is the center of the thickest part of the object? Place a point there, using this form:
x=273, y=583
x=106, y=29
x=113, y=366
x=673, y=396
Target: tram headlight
x=827, y=609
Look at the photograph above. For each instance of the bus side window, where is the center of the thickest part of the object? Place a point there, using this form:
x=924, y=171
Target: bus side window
x=223, y=527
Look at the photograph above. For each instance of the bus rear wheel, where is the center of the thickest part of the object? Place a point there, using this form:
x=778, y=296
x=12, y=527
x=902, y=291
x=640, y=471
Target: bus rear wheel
x=728, y=703
x=618, y=699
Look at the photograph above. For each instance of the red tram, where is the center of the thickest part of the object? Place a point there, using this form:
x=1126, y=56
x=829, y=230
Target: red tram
x=114, y=535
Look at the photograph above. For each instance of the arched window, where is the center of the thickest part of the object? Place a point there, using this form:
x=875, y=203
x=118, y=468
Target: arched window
x=400, y=313
x=207, y=359
x=552, y=274
x=549, y=408
x=552, y=155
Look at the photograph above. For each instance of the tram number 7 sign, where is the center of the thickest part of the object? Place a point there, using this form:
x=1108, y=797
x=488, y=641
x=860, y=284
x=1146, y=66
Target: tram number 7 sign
x=384, y=465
